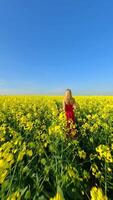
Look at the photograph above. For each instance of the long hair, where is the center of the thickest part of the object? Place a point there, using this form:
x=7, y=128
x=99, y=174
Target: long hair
x=68, y=98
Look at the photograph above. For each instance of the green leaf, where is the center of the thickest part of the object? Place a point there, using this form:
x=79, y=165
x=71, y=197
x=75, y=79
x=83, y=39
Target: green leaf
x=24, y=190
x=28, y=194
x=42, y=198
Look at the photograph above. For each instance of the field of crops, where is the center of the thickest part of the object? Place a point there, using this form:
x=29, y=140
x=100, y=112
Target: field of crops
x=38, y=161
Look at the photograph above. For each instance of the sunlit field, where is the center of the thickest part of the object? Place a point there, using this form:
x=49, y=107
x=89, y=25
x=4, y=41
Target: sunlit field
x=38, y=161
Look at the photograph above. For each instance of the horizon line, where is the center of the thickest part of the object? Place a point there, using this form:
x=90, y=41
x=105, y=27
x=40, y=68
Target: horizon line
x=56, y=94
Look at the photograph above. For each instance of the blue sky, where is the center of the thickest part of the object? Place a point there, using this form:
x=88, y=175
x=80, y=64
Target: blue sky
x=47, y=46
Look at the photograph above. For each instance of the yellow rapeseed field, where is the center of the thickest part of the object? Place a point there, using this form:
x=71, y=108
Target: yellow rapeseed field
x=38, y=161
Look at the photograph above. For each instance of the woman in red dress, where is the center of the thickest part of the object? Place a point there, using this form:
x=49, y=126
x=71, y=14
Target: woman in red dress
x=68, y=106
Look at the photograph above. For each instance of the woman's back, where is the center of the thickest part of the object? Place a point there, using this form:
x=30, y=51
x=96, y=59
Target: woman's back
x=69, y=110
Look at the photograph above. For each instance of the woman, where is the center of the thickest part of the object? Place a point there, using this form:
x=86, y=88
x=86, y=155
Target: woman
x=69, y=105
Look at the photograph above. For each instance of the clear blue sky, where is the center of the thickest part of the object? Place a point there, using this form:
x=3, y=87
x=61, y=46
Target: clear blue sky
x=47, y=46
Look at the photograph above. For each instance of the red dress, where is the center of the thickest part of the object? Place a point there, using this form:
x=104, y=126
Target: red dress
x=69, y=111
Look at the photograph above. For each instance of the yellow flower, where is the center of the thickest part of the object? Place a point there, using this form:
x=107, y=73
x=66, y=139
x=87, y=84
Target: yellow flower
x=82, y=154
x=56, y=128
x=20, y=156
x=71, y=173
x=59, y=194
x=9, y=157
x=112, y=146
x=3, y=164
x=61, y=116
x=57, y=197
x=95, y=170
x=109, y=169
x=3, y=175
x=97, y=194
x=15, y=196
x=29, y=153
x=104, y=152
